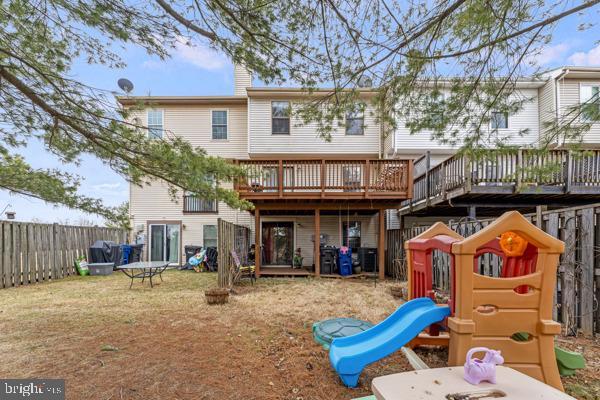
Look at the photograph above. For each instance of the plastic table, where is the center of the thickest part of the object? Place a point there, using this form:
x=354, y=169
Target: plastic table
x=144, y=269
x=448, y=384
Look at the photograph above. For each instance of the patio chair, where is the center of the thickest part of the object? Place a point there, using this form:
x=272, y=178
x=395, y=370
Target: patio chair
x=242, y=271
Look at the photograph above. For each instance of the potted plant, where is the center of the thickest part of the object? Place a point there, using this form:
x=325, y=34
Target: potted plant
x=217, y=295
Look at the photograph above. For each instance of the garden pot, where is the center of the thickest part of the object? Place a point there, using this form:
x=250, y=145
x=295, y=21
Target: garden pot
x=216, y=296
x=397, y=292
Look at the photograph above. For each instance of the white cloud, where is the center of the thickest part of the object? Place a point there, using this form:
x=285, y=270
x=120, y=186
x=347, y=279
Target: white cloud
x=198, y=55
x=548, y=54
x=589, y=58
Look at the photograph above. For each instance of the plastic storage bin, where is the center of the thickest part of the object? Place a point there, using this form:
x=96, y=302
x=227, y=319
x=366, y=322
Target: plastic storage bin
x=101, y=268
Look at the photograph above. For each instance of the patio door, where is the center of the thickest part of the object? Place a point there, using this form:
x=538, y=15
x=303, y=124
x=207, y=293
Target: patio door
x=278, y=243
x=165, y=242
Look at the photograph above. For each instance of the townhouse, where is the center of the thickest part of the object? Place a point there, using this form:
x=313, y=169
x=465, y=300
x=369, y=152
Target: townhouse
x=309, y=192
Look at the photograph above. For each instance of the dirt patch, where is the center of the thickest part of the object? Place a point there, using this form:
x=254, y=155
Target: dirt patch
x=110, y=342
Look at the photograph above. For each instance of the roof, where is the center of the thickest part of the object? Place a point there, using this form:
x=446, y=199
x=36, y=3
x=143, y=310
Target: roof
x=573, y=71
x=179, y=100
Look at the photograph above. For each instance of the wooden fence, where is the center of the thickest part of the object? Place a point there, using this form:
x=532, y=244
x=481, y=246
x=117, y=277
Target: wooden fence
x=231, y=237
x=577, y=292
x=31, y=253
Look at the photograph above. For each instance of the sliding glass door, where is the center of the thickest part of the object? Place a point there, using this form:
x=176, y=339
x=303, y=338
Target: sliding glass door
x=165, y=242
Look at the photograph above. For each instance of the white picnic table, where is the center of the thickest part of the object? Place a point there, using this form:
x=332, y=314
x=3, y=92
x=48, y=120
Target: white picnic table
x=442, y=383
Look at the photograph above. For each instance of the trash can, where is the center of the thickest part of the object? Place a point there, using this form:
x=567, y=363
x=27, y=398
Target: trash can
x=136, y=253
x=125, y=254
x=190, y=250
x=344, y=261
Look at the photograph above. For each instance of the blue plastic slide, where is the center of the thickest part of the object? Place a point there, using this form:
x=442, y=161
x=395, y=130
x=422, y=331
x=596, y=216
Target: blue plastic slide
x=349, y=355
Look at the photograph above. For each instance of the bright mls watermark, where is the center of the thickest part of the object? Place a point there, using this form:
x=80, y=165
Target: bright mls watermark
x=33, y=389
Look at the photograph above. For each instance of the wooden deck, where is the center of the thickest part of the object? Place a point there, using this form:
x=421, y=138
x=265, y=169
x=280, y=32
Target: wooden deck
x=518, y=179
x=325, y=179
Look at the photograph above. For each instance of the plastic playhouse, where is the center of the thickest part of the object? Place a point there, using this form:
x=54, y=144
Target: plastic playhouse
x=511, y=313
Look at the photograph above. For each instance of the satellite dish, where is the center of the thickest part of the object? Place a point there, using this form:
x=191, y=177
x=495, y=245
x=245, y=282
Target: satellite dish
x=365, y=82
x=125, y=85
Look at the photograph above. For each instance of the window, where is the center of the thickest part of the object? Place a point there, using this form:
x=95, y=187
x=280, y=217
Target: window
x=210, y=236
x=219, y=124
x=351, y=234
x=197, y=204
x=280, y=117
x=499, y=120
x=155, y=124
x=590, y=100
x=355, y=123
x=352, y=175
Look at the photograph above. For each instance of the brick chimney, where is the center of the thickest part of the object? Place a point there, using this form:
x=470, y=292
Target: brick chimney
x=242, y=79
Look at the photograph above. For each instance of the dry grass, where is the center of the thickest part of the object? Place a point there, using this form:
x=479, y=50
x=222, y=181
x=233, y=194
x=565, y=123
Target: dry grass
x=110, y=342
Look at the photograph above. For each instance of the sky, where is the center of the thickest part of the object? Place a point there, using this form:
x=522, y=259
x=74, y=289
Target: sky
x=198, y=71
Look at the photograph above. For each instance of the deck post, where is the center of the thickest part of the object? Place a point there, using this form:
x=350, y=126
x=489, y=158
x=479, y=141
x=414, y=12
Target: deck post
x=569, y=177
x=317, y=249
x=381, y=246
x=472, y=212
x=257, y=246
x=427, y=186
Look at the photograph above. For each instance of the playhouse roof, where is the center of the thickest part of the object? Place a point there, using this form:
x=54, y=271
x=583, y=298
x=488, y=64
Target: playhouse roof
x=510, y=221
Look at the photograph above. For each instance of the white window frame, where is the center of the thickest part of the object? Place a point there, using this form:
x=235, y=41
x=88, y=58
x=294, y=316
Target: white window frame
x=226, y=110
x=150, y=126
x=583, y=86
x=362, y=116
x=289, y=117
x=492, y=120
x=204, y=237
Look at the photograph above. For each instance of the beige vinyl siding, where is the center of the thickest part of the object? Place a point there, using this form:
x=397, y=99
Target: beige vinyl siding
x=194, y=123
x=304, y=138
x=526, y=118
x=304, y=229
x=547, y=104
x=568, y=91
x=153, y=203
x=242, y=79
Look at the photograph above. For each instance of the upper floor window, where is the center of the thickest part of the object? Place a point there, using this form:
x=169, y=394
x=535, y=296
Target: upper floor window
x=280, y=117
x=155, y=124
x=590, y=100
x=355, y=123
x=499, y=120
x=219, y=124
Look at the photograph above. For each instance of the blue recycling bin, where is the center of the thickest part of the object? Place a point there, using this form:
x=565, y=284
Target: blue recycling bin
x=344, y=261
x=126, y=253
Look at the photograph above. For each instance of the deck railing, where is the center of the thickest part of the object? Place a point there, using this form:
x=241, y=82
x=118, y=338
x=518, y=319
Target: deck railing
x=325, y=178
x=522, y=169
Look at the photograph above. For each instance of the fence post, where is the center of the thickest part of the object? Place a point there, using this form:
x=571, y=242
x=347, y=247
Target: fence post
x=586, y=283
x=552, y=229
x=567, y=269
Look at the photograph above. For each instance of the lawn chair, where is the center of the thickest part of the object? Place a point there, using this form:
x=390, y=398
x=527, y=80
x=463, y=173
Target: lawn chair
x=241, y=270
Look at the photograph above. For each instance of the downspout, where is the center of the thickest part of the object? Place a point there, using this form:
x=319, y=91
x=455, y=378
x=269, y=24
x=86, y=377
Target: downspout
x=557, y=92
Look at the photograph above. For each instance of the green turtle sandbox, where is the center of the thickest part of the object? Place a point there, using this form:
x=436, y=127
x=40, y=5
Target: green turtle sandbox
x=325, y=331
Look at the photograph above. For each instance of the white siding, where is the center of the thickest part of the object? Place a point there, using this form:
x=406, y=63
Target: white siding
x=194, y=123
x=153, y=203
x=526, y=118
x=304, y=138
x=547, y=104
x=569, y=96
x=242, y=79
